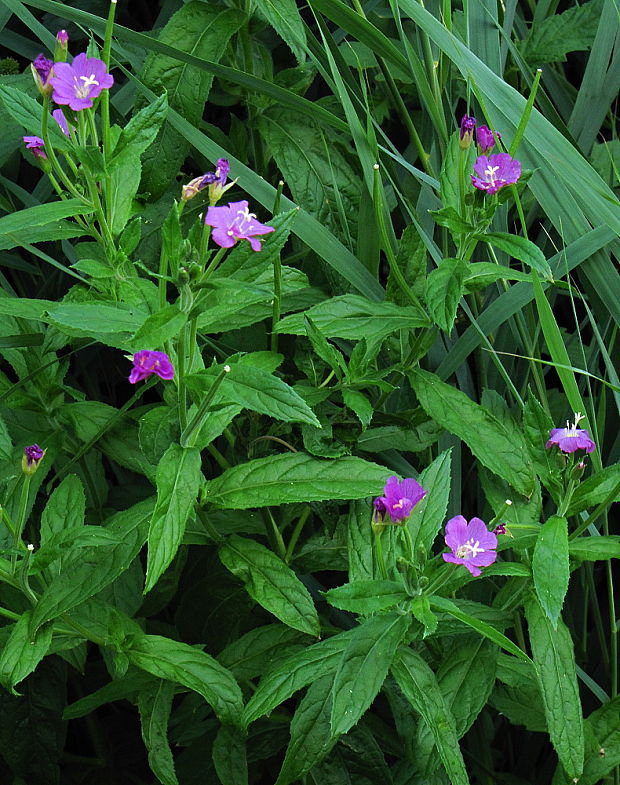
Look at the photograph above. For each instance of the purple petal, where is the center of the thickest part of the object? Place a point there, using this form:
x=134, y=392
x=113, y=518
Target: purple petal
x=222, y=238
x=456, y=533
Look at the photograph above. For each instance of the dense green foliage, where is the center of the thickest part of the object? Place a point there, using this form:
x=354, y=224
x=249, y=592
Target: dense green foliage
x=195, y=586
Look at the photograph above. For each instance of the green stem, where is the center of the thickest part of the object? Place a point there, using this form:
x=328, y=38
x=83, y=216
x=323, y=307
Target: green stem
x=277, y=198
x=212, y=265
x=277, y=294
x=182, y=389
x=21, y=519
x=188, y=436
x=49, y=150
x=598, y=511
x=105, y=98
x=296, y=532
x=379, y=555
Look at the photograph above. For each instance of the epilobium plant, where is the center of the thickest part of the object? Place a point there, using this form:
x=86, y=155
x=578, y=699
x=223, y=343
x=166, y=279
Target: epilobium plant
x=246, y=550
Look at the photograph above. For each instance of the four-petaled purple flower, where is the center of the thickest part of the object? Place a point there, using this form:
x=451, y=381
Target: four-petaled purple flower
x=495, y=172
x=147, y=362
x=32, y=457
x=36, y=144
x=571, y=438
x=472, y=544
x=234, y=222
x=466, y=131
x=76, y=85
x=399, y=499
x=485, y=140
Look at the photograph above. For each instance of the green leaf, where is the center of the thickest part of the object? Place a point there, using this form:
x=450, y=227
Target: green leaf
x=419, y=685
x=311, y=736
x=123, y=185
x=159, y=427
x=353, y=317
x=26, y=111
x=481, y=627
x=192, y=668
x=154, y=705
x=295, y=672
x=596, y=489
x=285, y=19
x=363, y=667
x=256, y=652
x=602, y=731
x=64, y=509
x=502, y=451
x=444, y=289
x=202, y=31
x=550, y=566
x=481, y=274
x=282, y=479
x=421, y=610
x=95, y=318
x=573, y=30
x=554, y=659
x=359, y=541
x=451, y=219
x=140, y=131
x=595, y=548
x=23, y=651
x=358, y=403
x=519, y=248
x=429, y=515
x=178, y=479
x=256, y=389
x=271, y=583
x=449, y=176
x=465, y=677
x=41, y=223
x=90, y=570
x=230, y=756
x=365, y=597
x=324, y=349
x=159, y=327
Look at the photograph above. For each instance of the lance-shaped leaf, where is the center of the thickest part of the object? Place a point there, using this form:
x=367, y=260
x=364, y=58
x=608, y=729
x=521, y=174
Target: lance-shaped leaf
x=502, y=451
x=229, y=755
x=87, y=571
x=154, y=704
x=284, y=479
x=363, y=667
x=23, y=651
x=419, y=685
x=550, y=566
x=366, y=597
x=178, y=480
x=554, y=660
x=271, y=583
x=519, y=248
x=192, y=668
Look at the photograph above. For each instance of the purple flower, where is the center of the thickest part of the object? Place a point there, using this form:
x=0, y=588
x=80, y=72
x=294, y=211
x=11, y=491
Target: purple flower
x=466, y=131
x=62, y=36
x=571, y=438
x=42, y=65
x=32, y=457
x=77, y=84
x=60, y=118
x=37, y=145
x=495, y=172
x=485, y=139
x=146, y=363
x=501, y=528
x=472, y=544
x=234, y=222
x=399, y=499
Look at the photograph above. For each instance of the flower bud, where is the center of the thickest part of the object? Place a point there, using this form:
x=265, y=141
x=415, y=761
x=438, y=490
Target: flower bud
x=62, y=45
x=41, y=68
x=32, y=457
x=467, y=131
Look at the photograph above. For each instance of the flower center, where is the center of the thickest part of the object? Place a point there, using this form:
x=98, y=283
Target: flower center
x=490, y=173
x=83, y=91
x=469, y=549
x=244, y=217
x=400, y=504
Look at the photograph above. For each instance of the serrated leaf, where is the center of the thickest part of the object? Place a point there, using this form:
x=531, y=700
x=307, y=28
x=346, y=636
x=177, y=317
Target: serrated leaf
x=353, y=317
x=154, y=705
x=429, y=515
x=271, y=583
x=358, y=403
x=285, y=19
x=444, y=289
x=23, y=651
x=257, y=390
x=294, y=673
x=554, y=659
x=359, y=541
x=550, y=566
x=26, y=111
x=192, y=668
x=519, y=248
x=595, y=548
x=366, y=597
x=503, y=452
x=325, y=350
x=256, y=652
x=140, y=131
x=95, y=318
x=573, y=30
x=92, y=569
x=311, y=736
x=419, y=685
x=178, y=479
x=64, y=509
x=363, y=667
x=282, y=479
x=602, y=731
x=421, y=610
